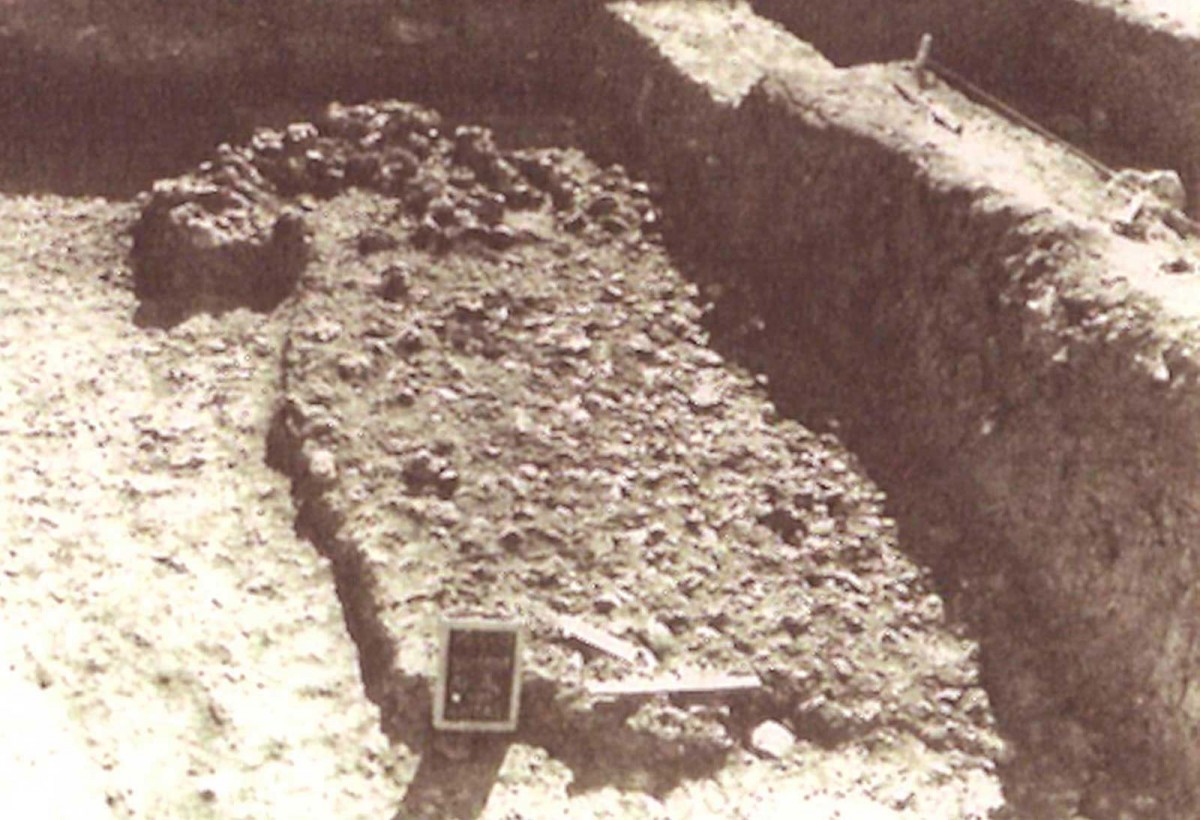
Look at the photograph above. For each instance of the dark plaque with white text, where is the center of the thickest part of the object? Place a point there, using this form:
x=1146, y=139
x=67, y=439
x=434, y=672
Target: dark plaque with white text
x=479, y=677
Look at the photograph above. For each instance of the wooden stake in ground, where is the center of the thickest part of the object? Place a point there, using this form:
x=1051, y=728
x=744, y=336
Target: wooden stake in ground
x=922, y=59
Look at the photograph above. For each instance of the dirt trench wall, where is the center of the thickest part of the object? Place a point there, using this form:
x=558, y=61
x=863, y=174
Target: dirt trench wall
x=1117, y=81
x=860, y=31
x=84, y=64
x=970, y=322
x=108, y=98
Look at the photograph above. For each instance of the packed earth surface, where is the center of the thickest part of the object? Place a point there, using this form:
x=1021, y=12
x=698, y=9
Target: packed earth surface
x=268, y=414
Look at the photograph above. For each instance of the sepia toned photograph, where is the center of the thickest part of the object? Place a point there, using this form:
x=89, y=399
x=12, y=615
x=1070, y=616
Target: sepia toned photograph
x=516, y=409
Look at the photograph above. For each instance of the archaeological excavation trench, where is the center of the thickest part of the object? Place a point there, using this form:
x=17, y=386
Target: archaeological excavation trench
x=1119, y=79
x=867, y=390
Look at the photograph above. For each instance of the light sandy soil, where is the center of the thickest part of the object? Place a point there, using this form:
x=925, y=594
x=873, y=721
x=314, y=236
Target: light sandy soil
x=156, y=602
x=1176, y=16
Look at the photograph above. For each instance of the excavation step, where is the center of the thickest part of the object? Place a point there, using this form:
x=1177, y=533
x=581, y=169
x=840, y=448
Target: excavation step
x=1020, y=334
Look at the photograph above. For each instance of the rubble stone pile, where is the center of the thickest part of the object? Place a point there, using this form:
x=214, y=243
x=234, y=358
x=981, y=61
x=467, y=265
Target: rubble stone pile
x=233, y=233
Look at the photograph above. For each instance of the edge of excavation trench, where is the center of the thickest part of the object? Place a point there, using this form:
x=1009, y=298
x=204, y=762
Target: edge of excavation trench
x=1044, y=367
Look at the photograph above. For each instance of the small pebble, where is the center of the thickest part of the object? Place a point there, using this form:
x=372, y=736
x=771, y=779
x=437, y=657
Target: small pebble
x=660, y=639
x=322, y=465
x=772, y=739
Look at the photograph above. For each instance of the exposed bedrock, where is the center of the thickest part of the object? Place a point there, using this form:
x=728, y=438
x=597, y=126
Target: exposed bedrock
x=981, y=310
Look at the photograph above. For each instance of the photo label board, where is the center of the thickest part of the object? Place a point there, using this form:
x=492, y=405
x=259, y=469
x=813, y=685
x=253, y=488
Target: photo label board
x=479, y=675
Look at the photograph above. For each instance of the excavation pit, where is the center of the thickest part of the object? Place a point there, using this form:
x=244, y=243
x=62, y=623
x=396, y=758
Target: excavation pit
x=885, y=266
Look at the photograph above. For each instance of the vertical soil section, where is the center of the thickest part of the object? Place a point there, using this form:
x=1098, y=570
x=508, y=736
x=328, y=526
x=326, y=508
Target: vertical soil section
x=991, y=331
x=108, y=98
